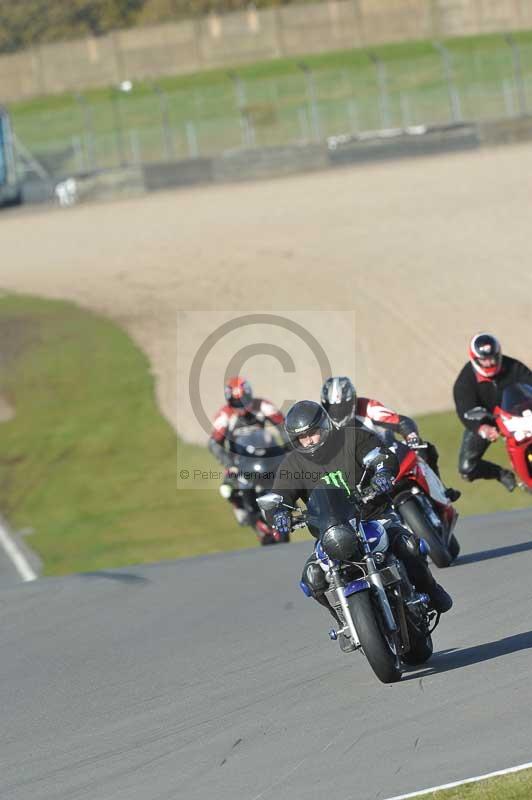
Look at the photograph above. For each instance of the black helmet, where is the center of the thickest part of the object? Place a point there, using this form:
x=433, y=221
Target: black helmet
x=304, y=419
x=485, y=355
x=338, y=398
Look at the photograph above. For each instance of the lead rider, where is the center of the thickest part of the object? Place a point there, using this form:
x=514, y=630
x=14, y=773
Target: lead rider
x=323, y=453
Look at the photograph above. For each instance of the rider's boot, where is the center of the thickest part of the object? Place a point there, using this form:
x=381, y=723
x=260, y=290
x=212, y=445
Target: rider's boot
x=507, y=478
x=440, y=600
x=407, y=547
x=453, y=494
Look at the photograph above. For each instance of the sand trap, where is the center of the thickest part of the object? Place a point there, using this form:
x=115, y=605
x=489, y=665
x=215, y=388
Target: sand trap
x=425, y=252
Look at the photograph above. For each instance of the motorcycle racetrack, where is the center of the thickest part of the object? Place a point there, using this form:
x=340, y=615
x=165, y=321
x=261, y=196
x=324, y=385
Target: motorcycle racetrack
x=214, y=677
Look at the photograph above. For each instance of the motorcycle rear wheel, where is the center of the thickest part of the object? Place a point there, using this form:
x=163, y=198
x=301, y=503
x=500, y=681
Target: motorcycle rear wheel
x=418, y=523
x=454, y=547
x=378, y=648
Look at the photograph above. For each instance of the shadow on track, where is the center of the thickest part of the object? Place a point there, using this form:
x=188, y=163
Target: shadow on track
x=497, y=552
x=447, y=660
x=124, y=577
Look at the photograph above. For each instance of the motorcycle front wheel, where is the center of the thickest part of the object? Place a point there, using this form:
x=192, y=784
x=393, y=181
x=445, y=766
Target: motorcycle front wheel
x=379, y=648
x=413, y=515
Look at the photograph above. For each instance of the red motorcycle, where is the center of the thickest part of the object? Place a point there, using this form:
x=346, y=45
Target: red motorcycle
x=513, y=418
x=420, y=500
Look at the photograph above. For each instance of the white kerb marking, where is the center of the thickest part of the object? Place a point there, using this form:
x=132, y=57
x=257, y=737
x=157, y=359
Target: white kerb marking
x=441, y=788
x=16, y=556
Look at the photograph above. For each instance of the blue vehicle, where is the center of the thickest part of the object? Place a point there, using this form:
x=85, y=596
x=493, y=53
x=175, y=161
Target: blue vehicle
x=379, y=609
x=10, y=186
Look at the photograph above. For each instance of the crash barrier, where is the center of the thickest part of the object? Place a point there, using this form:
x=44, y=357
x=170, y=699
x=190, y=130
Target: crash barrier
x=259, y=163
x=336, y=151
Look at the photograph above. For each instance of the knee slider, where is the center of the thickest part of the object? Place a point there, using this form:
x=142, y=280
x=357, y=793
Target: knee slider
x=466, y=468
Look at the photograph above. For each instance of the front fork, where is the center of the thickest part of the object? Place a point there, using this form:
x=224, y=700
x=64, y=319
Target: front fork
x=336, y=593
x=336, y=597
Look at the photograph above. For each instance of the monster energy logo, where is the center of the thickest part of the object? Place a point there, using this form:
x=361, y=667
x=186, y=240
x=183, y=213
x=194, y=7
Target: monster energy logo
x=336, y=479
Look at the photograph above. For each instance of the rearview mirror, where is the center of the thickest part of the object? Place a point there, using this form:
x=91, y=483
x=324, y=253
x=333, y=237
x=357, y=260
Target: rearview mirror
x=269, y=501
x=371, y=458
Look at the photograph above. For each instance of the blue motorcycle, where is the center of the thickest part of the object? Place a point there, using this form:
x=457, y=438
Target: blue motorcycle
x=379, y=610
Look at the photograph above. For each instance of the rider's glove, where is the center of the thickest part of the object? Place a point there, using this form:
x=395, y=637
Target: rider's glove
x=488, y=432
x=413, y=440
x=382, y=481
x=282, y=522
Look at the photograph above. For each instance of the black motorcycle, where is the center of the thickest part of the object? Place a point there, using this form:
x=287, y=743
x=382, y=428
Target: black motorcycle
x=379, y=610
x=256, y=459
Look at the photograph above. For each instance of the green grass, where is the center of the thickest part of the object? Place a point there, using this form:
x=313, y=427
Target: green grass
x=201, y=111
x=90, y=465
x=88, y=462
x=517, y=786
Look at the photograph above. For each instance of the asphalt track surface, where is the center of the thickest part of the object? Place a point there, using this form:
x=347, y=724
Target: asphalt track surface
x=214, y=678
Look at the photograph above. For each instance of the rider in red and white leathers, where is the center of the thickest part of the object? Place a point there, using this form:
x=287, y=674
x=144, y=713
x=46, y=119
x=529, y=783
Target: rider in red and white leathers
x=340, y=400
x=241, y=415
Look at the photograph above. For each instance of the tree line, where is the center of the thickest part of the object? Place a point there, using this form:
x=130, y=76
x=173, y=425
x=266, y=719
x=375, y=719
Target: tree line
x=24, y=23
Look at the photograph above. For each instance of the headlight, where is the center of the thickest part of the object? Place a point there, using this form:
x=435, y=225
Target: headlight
x=340, y=543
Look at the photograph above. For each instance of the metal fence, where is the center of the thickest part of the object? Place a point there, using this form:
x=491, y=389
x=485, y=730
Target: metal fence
x=133, y=125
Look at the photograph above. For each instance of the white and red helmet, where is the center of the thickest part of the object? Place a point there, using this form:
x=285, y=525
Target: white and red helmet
x=238, y=392
x=485, y=355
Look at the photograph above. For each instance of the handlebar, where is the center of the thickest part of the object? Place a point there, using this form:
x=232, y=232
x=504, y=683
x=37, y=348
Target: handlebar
x=299, y=517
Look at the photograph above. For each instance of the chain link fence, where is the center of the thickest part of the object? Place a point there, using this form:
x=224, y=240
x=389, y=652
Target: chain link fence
x=133, y=124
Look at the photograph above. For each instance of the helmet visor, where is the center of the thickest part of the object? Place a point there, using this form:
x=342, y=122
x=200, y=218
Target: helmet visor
x=312, y=439
x=488, y=366
x=340, y=413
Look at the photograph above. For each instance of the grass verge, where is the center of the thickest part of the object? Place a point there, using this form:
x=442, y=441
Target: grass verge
x=517, y=786
x=89, y=464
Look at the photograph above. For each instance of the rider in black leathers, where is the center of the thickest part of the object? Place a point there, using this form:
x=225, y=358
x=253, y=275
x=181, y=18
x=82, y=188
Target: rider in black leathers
x=481, y=382
x=322, y=452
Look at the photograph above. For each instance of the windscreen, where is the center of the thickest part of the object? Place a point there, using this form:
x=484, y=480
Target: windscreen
x=516, y=399
x=329, y=506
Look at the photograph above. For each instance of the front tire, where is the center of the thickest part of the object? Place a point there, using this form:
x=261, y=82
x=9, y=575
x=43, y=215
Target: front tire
x=418, y=523
x=377, y=649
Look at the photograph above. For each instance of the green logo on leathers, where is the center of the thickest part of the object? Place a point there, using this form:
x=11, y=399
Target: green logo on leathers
x=336, y=479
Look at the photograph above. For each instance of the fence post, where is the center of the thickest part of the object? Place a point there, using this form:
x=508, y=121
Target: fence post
x=384, y=94
x=454, y=97
x=79, y=157
x=518, y=72
x=192, y=140
x=352, y=113
x=165, y=119
x=312, y=99
x=406, y=115
x=135, y=147
x=507, y=91
x=303, y=124
x=88, y=132
x=248, y=133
